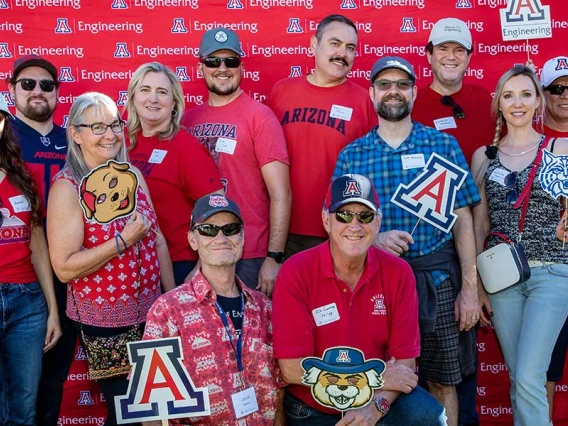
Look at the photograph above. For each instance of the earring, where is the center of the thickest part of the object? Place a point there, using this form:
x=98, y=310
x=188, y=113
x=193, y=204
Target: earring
x=174, y=113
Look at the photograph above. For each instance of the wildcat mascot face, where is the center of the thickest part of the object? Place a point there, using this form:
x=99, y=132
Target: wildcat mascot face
x=554, y=174
x=109, y=192
x=342, y=379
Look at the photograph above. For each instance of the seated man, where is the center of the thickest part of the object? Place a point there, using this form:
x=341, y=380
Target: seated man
x=371, y=305
x=238, y=351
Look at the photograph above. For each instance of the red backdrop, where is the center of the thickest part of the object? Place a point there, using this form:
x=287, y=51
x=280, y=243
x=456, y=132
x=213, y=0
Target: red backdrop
x=97, y=44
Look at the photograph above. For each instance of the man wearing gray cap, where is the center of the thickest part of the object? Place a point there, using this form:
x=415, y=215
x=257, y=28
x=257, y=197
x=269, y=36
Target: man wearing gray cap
x=447, y=104
x=395, y=153
x=247, y=143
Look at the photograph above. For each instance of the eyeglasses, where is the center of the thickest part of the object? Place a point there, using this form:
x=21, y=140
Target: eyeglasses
x=456, y=109
x=511, y=183
x=101, y=128
x=208, y=230
x=215, y=62
x=346, y=216
x=29, y=84
x=556, y=89
x=385, y=85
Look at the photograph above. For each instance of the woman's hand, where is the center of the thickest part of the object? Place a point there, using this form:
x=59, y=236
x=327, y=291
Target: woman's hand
x=53, y=332
x=562, y=227
x=136, y=228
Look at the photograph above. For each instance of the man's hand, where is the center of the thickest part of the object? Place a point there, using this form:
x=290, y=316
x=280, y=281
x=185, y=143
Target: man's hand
x=366, y=416
x=267, y=276
x=399, y=377
x=394, y=242
x=466, y=308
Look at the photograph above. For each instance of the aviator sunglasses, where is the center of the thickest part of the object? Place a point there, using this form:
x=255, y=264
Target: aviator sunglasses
x=457, y=110
x=29, y=84
x=346, y=216
x=511, y=183
x=215, y=62
x=556, y=89
x=208, y=230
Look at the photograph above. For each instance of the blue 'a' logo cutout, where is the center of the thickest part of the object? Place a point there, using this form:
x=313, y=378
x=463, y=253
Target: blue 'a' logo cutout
x=431, y=196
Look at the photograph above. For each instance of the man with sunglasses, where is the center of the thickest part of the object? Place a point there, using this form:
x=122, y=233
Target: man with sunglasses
x=345, y=292
x=247, y=143
x=35, y=89
x=225, y=327
x=392, y=154
x=447, y=104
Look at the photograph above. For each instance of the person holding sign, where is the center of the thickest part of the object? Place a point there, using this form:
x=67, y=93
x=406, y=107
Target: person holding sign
x=346, y=293
x=393, y=155
x=527, y=317
x=225, y=327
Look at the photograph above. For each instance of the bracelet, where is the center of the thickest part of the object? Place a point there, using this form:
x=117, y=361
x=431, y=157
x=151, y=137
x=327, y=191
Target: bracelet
x=117, y=246
x=121, y=239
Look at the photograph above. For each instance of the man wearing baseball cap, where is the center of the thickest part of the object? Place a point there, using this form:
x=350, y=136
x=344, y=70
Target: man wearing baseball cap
x=35, y=89
x=448, y=104
x=345, y=292
x=392, y=154
x=220, y=305
x=247, y=143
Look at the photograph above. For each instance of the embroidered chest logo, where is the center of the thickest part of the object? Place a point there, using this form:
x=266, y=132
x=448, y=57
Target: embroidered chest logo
x=379, y=307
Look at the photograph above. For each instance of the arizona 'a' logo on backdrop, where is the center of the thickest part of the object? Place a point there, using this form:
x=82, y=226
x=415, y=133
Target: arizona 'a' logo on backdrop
x=119, y=4
x=62, y=26
x=407, y=25
x=348, y=4
x=179, y=26
x=234, y=4
x=4, y=51
x=294, y=26
x=122, y=97
x=85, y=398
x=181, y=74
x=431, y=195
x=66, y=75
x=295, y=71
x=8, y=98
x=3, y=4
x=463, y=4
x=121, y=50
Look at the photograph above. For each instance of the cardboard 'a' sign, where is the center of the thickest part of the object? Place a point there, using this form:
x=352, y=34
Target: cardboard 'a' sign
x=431, y=196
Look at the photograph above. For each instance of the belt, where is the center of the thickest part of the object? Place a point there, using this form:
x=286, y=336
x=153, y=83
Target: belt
x=537, y=263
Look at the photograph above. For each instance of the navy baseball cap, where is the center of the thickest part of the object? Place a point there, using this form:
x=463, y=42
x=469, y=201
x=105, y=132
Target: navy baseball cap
x=351, y=188
x=212, y=204
x=219, y=39
x=388, y=62
x=34, y=61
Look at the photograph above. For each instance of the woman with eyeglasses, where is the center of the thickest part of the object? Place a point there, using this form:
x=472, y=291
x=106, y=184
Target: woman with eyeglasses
x=527, y=317
x=29, y=320
x=179, y=170
x=104, y=239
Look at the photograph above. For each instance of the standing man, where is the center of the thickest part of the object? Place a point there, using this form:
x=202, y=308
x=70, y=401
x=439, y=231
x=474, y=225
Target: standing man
x=222, y=324
x=395, y=153
x=347, y=293
x=246, y=141
x=34, y=88
x=320, y=114
x=447, y=104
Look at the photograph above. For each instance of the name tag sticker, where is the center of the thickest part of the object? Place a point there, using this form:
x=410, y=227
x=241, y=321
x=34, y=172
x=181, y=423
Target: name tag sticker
x=20, y=204
x=244, y=402
x=341, y=112
x=498, y=175
x=226, y=145
x=326, y=314
x=445, y=123
x=157, y=156
x=412, y=161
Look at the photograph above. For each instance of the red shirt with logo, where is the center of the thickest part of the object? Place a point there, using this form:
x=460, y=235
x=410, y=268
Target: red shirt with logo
x=553, y=133
x=379, y=317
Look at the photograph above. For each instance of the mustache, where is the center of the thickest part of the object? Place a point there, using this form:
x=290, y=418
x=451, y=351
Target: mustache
x=337, y=58
x=395, y=96
x=33, y=98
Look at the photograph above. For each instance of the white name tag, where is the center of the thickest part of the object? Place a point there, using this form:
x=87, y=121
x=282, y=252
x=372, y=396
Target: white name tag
x=412, y=161
x=338, y=111
x=20, y=204
x=226, y=145
x=445, y=123
x=326, y=314
x=498, y=175
x=244, y=402
x=157, y=156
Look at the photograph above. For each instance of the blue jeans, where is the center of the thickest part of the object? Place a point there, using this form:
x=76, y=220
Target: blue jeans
x=23, y=325
x=527, y=318
x=418, y=408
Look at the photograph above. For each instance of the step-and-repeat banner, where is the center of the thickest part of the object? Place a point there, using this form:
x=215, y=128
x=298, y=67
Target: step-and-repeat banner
x=98, y=44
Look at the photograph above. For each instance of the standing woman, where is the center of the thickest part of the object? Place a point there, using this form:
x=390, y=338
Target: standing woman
x=113, y=267
x=527, y=317
x=179, y=170
x=29, y=322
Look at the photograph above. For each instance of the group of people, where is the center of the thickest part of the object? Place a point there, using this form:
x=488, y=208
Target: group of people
x=230, y=199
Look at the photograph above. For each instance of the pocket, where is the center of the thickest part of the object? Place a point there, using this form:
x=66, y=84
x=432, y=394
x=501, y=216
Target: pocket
x=296, y=410
x=558, y=269
x=31, y=288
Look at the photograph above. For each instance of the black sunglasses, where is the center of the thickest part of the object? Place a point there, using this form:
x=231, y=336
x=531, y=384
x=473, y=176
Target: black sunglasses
x=556, y=89
x=215, y=62
x=346, y=216
x=456, y=109
x=208, y=230
x=29, y=84
x=511, y=183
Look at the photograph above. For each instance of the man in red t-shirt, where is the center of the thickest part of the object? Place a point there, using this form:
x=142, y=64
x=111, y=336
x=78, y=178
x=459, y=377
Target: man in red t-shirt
x=320, y=114
x=247, y=143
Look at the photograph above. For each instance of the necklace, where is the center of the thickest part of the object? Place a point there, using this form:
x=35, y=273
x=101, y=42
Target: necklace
x=518, y=154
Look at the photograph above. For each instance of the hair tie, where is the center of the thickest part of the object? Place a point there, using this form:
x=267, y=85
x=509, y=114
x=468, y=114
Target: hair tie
x=491, y=152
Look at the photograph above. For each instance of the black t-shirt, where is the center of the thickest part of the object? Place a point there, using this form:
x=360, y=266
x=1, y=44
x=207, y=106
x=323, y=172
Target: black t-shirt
x=232, y=307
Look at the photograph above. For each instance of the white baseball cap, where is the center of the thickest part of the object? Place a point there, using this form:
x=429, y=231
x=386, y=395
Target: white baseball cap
x=450, y=29
x=4, y=106
x=554, y=68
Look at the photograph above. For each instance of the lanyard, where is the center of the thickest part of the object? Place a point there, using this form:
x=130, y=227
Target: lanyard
x=239, y=349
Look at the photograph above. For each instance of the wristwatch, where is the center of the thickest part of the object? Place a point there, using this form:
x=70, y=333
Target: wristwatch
x=278, y=256
x=382, y=405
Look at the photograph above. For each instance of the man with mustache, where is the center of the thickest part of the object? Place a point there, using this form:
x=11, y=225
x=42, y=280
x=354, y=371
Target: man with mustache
x=246, y=141
x=395, y=153
x=35, y=89
x=320, y=114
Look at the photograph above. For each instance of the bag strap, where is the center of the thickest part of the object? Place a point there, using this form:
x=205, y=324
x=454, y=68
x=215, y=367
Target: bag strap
x=496, y=234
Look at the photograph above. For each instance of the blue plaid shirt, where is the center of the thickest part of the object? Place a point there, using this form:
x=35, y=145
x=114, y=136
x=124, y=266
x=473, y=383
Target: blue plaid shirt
x=372, y=157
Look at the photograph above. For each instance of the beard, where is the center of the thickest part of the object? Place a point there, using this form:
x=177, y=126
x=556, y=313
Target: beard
x=225, y=91
x=393, y=113
x=37, y=112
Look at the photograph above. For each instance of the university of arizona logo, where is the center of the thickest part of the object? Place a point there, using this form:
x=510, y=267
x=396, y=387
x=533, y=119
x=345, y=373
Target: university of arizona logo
x=3, y=4
x=243, y=54
x=66, y=75
x=348, y=4
x=524, y=10
x=295, y=71
x=234, y=4
x=122, y=97
x=121, y=51
x=294, y=26
x=554, y=174
x=4, y=51
x=85, y=398
x=407, y=25
x=561, y=64
x=352, y=189
x=64, y=125
x=119, y=4
x=181, y=73
x=463, y=4
x=62, y=26
x=8, y=98
x=179, y=26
